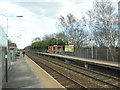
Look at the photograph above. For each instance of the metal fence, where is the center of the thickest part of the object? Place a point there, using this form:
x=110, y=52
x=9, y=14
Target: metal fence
x=100, y=53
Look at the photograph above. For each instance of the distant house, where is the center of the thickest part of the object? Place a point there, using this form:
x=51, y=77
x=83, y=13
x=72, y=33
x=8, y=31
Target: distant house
x=12, y=46
x=55, y=49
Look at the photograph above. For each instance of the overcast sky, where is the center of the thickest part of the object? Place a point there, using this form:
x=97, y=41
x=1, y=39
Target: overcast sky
x=39, y=17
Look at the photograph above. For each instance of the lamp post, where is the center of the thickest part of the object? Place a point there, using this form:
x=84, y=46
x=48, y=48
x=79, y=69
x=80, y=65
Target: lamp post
x=7, y=19
x=6, y=52
x=119, y=24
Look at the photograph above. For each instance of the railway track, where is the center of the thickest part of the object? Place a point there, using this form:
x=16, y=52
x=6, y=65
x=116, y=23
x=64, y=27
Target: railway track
x=113, y=81
x=72, y=76
x=67, y=82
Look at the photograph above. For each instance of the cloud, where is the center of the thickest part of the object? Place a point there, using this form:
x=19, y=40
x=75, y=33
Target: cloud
x=39, y=16
x=53, y=8
x=48, y=9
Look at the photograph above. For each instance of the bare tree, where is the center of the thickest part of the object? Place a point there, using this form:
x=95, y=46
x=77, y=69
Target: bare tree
x=103, y=24
x=73, y=30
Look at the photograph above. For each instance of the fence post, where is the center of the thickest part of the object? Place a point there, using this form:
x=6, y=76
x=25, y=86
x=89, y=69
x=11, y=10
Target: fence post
x=107, y=54
x=87, y=52
x=92, y=51
x=96, y=52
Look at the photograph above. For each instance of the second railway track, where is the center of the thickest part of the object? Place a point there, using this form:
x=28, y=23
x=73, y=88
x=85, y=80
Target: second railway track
x=75, y=77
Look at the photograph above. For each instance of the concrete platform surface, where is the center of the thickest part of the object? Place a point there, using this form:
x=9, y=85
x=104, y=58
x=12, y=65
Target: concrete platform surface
x=21, y=76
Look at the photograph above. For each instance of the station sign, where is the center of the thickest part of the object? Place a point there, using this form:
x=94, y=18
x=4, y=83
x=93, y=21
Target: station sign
x=69, y=48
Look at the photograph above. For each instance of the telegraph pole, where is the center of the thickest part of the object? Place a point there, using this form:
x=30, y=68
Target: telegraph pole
x=119, y=23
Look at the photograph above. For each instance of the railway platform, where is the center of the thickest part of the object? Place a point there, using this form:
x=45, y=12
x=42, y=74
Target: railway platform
x=21, y=75
x=107, y=67
x=86, y=60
